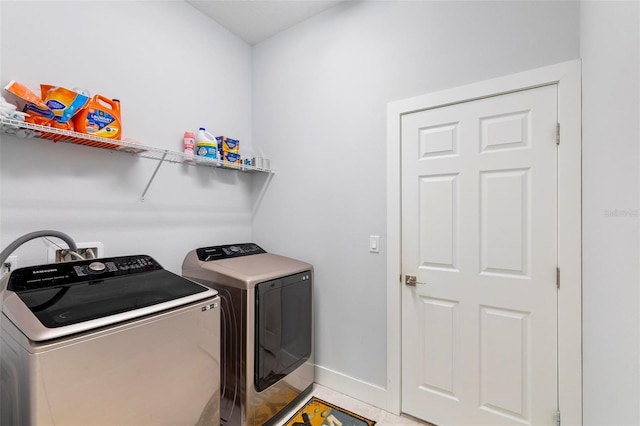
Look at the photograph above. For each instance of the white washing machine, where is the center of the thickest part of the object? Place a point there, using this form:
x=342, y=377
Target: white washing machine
x=114, y=341
x=267, y=329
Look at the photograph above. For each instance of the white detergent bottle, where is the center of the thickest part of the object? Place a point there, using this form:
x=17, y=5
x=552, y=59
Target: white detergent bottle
x=206, y=144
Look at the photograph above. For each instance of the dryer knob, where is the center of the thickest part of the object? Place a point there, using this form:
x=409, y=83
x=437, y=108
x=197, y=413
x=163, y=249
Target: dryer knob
x=97, y=266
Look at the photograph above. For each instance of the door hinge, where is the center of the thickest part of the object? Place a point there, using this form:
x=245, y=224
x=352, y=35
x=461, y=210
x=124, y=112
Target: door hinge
x=558, y=418
x=557, y=277
x=557, y=133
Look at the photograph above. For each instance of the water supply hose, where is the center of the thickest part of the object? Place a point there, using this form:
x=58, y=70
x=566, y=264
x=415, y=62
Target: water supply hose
x=4, y=255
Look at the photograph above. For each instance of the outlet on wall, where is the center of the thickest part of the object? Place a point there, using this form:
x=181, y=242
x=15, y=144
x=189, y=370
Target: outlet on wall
x=61, y=253
x=9, y=265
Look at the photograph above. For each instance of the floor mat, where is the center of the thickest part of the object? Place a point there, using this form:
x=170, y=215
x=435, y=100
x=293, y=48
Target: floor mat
x=317, y=412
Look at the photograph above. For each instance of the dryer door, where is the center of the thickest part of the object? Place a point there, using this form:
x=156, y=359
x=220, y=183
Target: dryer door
x=283, y=335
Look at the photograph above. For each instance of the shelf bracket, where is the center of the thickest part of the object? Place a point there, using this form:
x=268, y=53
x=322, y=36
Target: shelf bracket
x=260, y=196
x=164, y=155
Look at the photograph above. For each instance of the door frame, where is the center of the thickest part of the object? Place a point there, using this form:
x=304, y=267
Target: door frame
x=567, y=76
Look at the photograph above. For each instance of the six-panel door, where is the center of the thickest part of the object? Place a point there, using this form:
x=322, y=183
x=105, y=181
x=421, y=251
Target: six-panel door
x=479, y=231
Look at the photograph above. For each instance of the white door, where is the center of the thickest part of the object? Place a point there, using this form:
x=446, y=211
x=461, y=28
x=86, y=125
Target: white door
x=479, y=233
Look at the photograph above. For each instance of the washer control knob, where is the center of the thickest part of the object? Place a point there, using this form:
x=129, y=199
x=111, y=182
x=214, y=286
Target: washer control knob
x=97, y=266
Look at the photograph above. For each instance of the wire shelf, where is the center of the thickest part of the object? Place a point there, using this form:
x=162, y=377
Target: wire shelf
x=23, y=129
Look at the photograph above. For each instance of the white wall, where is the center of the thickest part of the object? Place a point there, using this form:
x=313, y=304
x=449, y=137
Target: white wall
x=610, y=50
x=173, y=70
x=320, y=96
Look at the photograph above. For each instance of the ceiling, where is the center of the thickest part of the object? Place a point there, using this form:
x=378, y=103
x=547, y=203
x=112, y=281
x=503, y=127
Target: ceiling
x=256, y=20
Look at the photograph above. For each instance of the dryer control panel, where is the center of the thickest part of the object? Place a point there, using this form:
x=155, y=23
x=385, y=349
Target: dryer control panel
x=206, y=254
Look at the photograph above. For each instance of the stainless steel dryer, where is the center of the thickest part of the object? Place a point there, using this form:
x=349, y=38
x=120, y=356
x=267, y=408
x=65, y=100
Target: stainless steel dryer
x=267, y=329
x=114, y=341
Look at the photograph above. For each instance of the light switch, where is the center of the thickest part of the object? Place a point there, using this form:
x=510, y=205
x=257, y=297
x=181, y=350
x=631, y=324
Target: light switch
x=374, y=243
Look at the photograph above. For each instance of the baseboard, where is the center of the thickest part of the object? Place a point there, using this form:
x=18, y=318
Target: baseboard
x=350, y=386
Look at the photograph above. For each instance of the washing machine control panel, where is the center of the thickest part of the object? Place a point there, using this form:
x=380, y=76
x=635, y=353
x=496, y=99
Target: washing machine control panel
x=55, y=274
x=206, y=254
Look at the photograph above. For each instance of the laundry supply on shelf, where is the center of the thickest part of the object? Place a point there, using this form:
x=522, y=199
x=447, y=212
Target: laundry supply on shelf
x=60, y=107
x=261, y=162
x=206, y=144
x=27, y=101
x=229, y=150
x=64, y=103
x=100, y=117
x=231, y=157
x=188, y=144
x=226, y=144
x=9, y=110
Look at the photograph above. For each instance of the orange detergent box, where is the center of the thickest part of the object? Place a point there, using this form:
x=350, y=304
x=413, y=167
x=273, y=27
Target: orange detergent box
x=230, y=160
x=226, y=144
x=231, y=157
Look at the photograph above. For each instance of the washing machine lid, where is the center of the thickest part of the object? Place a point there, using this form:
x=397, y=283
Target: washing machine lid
x=55, y=300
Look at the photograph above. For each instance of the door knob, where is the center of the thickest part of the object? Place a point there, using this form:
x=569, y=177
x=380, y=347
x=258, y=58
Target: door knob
x=411, y=280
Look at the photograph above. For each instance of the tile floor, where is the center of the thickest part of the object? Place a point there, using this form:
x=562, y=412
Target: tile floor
x=381, y=417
